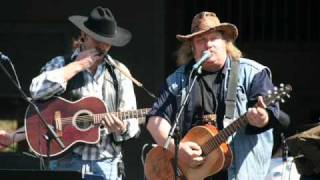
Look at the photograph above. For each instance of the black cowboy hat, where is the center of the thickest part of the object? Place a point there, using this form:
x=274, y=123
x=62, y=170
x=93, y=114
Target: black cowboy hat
x=102, y=26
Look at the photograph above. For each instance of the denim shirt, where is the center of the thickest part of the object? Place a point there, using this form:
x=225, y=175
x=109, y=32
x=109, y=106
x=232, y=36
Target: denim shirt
x=251, y=152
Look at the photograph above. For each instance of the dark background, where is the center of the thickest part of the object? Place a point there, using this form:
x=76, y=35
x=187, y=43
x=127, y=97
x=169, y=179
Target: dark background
x=282, y=34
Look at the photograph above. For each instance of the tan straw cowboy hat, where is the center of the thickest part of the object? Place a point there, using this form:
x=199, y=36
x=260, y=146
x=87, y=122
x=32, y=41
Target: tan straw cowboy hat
x=102, y=26
x=208, y=21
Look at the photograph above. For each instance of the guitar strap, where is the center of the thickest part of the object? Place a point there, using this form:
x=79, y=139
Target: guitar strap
x=78, y=81
x=232, y=90
x=113, y=75
x=115, y=145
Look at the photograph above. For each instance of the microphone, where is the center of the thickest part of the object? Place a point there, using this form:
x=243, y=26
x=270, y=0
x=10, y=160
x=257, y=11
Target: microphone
x=204, y=57
x=4, y=57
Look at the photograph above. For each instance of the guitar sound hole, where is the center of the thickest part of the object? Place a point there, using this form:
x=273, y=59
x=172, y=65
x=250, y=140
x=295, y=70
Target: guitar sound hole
x=84, y=121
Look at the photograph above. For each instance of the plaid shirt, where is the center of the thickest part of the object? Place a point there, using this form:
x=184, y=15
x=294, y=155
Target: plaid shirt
x=50, y=82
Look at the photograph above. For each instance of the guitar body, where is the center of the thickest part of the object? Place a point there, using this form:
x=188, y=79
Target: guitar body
x=71, y=130
x=159, y=161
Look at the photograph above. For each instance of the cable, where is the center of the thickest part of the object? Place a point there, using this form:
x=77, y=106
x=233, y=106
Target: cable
x=13, y=139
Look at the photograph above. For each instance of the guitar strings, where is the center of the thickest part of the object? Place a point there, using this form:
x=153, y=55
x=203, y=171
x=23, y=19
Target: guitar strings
x=98, y=117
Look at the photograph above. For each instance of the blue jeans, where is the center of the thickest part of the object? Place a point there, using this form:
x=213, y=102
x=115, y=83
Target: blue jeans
x=106, y=169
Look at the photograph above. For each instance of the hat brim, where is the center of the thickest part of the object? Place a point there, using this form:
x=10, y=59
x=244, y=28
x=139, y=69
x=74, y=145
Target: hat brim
x=121, y=38
x=230, y=30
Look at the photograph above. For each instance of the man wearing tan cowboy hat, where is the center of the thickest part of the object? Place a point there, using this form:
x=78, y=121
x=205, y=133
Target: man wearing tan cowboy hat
x=88, y=71
x=225, y=75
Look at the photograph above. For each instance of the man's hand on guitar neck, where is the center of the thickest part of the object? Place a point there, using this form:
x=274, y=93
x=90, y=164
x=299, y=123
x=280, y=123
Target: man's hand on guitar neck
x=190, y=154
x=114, y=124
x=258, y=115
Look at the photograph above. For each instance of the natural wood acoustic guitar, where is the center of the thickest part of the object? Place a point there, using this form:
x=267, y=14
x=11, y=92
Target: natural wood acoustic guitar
x=159, y=161
x=73, y=122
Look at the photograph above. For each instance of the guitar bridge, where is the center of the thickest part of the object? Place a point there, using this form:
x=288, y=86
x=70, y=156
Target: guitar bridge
x=57, y=118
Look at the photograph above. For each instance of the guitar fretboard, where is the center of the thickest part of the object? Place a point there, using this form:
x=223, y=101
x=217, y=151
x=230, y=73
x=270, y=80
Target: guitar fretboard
x=139, y=113
x=223, y=135
x=215, y=141
x=132, y=114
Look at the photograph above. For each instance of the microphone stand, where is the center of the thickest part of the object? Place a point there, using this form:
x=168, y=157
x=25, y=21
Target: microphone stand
x=284, y=148
x=175, y=130
x=285, y=168
x=135, y=81
x=50, y=134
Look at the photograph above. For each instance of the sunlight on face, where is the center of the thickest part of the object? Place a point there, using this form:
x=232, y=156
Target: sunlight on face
x=215, y=44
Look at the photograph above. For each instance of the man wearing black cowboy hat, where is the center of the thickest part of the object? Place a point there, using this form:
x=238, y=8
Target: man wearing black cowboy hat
x=228, y=87
x=88, y=71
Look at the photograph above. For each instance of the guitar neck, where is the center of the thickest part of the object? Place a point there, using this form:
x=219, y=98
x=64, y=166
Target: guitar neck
x=231, y=129
x=238, y=124
x=139, y=113
x=131, y=114
x=215, y=141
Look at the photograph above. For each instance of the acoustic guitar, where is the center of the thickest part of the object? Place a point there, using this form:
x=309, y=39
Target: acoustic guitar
x=73, y=122
x=159, y=161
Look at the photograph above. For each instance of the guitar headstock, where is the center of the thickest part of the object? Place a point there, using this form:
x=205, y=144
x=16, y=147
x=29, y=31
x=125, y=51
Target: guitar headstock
x=278, y=94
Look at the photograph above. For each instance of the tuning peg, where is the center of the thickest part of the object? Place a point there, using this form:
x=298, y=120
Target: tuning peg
x=275, y=90
x=288, y=87
x=282, y=100
x=281, y=87
x=288, y=95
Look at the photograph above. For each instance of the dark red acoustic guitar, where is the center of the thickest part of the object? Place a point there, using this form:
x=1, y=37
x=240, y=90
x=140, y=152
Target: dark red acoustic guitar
x=74, y=122
x=159, y=161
